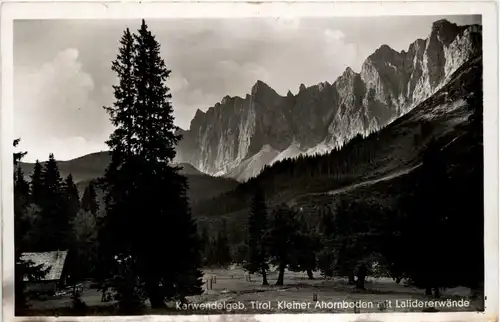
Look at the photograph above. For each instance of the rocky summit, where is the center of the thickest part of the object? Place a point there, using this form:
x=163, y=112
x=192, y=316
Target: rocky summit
x=238, y=136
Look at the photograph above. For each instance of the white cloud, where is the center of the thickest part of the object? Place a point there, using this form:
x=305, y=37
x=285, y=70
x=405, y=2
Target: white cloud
x=54, y=99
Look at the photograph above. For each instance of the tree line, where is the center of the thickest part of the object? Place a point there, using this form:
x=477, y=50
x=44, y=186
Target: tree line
x=50, y=215
x=54, y=207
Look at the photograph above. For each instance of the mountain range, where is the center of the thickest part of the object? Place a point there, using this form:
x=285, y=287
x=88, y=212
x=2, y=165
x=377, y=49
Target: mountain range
x=238, y=136
x=397, y=96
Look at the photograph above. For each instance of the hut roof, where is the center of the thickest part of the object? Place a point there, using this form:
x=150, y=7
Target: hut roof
x=53, y=262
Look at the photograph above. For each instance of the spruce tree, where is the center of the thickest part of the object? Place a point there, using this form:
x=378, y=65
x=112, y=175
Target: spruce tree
x=21, y=226
x=351, y=241
x=223, y=253
x=20, y=184
x=84, y=230
x=146, y=203
x=281, y=239
x=327, y=230
x=55, y=223
x=72, y=200
x=308, y=245
x=424, y=264
x=118, y=183
x=205, y=242
x=36, y=184
x=257, y=258
x=71, y=208
x=89, y=199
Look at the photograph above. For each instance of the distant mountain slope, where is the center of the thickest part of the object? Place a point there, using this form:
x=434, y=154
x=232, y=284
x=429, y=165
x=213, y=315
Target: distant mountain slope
x=252, y=166
x=326, y=115
x=92, y=166
x=390, y=153
x=291, y=152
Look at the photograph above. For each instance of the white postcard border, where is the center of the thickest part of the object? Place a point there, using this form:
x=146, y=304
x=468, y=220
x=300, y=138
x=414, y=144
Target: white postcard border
x=11, y=10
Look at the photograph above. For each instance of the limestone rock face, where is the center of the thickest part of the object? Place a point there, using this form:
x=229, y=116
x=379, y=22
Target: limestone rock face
x=238, y=136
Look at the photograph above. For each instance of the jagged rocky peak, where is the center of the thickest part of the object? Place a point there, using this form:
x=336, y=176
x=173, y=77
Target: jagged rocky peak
x=260, y=86
x=384, y=54
x=225, y=100
x=349, y=73
x=444, y=25
x=415, y=46
x=289, y=94
x=199, y=117
x=445, y=31
x=199, y=113
x=346, y=79
x=302, y=87
x=384, y=50
x=323, y=85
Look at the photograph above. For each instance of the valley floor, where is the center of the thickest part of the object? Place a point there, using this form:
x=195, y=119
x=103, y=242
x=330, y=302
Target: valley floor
x=232, y=293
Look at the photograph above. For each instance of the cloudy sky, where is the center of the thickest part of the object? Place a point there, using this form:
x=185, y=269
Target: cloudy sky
x=62, y=74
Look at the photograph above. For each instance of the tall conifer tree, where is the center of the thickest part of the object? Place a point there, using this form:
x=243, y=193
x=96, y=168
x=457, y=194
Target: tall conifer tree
x=223, y=253
x=22, y=268
x=54, y=218
x=141, y=177
x=36, y=184
x=89, y=199
x=71, y=197
x=257, y=258
x=281, y=238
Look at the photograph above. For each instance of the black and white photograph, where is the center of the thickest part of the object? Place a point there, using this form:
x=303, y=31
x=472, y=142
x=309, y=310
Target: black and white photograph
x=248, y=165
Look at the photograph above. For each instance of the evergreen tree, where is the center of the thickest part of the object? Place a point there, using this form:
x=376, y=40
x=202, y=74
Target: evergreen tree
x=22, y=268
x=281, y=239
x=36, y=184
x=118, y=180
x=257, y=258
x=21, y=186
x=223, y=253
x=55, y=223
x=353, y=244
x=205, y=242
x=155, y=129
x=425, y=265
x=71, y=208
x=72, y=200
x=21, y=202
x=84, y=230
x=308, y=245
x=392, y=248
x=326, y=229
x=141, y=176
x=89, y=199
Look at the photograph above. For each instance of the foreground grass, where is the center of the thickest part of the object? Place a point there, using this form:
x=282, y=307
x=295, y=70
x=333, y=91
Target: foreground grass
x=232, y=294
